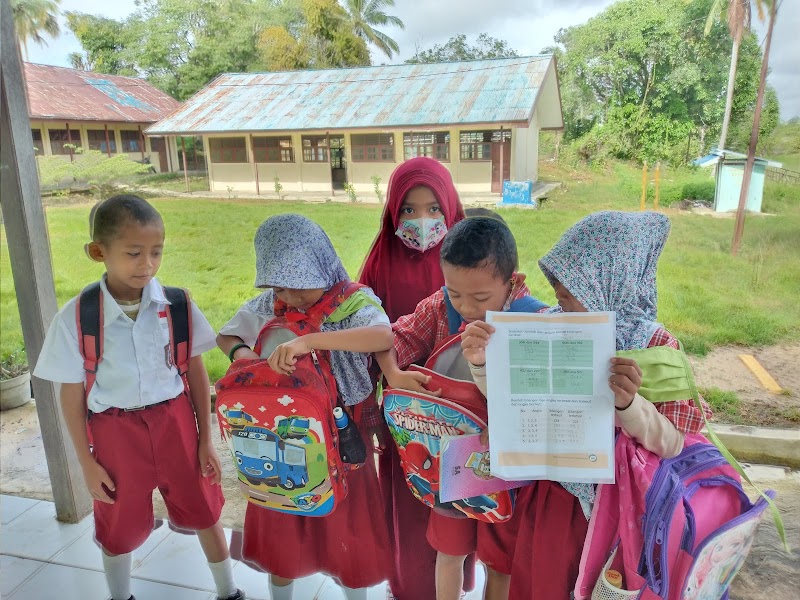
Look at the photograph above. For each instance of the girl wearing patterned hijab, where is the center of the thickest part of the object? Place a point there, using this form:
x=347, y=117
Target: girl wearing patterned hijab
x=403, y=268
x=297, y=264
x=606, y=262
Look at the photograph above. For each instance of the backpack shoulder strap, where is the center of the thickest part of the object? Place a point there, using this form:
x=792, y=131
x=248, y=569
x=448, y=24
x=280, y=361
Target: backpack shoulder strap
x=179, y=317
x=89, y=319
x=454, y=319
x=527, y=304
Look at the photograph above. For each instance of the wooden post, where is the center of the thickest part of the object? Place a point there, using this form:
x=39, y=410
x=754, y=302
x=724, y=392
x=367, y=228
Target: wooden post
x=502, y=144
x=330, y=162
x=253, y=163
x=141, y=141
x=658, y=179
x=69, y=144
x=644, y=186
x=29, y=253
x=185, y=171
x=108, y=145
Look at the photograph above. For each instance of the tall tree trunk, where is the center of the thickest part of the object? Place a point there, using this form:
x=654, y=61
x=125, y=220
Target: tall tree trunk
x=751, y=153
x=729, y=102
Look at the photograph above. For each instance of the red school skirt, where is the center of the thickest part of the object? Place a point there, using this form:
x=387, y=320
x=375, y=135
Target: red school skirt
x=552, y=529
x=351, y=544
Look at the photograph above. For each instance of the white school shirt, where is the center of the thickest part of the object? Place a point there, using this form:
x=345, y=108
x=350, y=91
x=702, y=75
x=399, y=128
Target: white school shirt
x=134, y=371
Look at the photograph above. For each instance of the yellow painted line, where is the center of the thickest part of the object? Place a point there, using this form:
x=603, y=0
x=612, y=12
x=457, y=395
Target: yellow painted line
x=760, y=372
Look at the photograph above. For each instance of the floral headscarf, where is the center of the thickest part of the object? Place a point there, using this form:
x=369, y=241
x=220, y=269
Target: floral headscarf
x=608, y=262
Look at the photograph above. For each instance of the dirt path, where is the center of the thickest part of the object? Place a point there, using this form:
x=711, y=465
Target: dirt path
x=723, y=369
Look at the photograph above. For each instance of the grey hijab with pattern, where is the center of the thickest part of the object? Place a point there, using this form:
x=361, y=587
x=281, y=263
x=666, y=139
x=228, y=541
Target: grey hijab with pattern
x=608, y=262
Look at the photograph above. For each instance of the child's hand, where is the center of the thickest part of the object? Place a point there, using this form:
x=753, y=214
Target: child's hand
x=412, y=381
x=485, y=437
x=625, y=380
x=473, y=342
x=284, y=357
x=96, y=477
x=209, y=462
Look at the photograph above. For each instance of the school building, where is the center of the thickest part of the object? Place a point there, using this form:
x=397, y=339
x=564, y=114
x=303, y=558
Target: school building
x=70, y=108
x=313, y=131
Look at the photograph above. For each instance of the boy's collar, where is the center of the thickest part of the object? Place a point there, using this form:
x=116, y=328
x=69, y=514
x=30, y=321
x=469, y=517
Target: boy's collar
x=152, y=292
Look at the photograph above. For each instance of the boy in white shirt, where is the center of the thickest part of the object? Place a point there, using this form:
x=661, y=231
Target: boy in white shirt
x=147, y=430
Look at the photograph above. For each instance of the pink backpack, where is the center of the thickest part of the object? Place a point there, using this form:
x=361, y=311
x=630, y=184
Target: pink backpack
x=675, y=529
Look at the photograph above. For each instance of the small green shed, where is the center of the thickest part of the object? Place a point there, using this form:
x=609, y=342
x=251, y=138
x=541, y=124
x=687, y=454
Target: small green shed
x=730, y=172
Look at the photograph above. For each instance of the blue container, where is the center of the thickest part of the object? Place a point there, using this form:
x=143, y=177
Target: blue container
x=518, y=192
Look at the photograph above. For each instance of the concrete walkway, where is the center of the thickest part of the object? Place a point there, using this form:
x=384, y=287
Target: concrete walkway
x=42, y=559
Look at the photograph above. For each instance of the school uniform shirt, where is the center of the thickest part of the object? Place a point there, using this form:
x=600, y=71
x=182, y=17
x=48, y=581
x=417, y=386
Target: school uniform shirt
x=136, y=369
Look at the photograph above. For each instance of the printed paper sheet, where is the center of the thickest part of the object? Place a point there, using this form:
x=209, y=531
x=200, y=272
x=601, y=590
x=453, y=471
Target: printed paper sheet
x=551, y=412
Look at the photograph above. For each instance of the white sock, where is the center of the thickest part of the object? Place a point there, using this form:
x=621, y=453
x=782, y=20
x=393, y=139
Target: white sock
x=118, y=575
x=223, y=577
x=355, y=593
x=281, y=593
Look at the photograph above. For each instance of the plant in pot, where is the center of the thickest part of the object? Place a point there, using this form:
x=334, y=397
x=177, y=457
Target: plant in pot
x=15, y=380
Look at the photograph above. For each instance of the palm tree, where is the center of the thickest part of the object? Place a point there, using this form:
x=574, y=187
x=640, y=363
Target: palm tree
x=738, y=17
x=364, y=15
x=772, y=6
x=34, y=17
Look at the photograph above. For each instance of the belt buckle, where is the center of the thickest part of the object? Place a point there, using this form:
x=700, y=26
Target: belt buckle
x=134, y=409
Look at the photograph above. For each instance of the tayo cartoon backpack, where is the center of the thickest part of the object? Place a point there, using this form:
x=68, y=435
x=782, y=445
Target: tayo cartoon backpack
x=669, y=529
x=417, y=423
x=280, y=429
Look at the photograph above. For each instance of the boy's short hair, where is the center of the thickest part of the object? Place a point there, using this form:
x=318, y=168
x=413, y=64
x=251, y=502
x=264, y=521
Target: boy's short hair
x=108, y=216
x=479, y=242
x=483, y=212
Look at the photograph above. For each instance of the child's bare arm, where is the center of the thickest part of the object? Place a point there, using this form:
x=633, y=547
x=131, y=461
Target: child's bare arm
x=200, y=394
x=227, y=342
x=373, y=338
x=73, y=406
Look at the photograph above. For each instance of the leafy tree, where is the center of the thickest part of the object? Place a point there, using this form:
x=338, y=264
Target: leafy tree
x=32, y=18
x=104, y=44
x=457, y=49
x=641, y=78
x=365, y=15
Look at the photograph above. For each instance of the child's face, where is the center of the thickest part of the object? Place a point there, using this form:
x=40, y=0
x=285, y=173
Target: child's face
x=420, y=202
x=474, y=291
x=132, y=258
x=299, y=299
x=567, y=301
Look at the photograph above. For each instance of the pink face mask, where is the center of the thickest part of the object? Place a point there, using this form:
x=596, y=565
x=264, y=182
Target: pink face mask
x=422, y=234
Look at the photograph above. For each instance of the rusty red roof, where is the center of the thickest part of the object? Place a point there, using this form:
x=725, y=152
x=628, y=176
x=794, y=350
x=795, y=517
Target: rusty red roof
x=72, y=95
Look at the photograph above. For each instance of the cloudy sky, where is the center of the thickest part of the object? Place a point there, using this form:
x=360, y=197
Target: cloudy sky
x=528, y=26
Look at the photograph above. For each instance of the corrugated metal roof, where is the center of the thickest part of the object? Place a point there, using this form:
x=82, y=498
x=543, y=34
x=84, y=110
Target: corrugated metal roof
x=716, y=155
x=459, y=93
x=71, y=95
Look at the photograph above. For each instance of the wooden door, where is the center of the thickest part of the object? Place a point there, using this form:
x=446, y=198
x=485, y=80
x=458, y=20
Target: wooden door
x=157, y=144
x=501, y=164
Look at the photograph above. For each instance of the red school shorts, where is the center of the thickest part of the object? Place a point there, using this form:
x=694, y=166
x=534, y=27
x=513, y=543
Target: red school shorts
x=492, y=542
x=143, y=450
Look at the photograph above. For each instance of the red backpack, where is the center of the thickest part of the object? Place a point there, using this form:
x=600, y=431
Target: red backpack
x=280, y=428
x=89, y=318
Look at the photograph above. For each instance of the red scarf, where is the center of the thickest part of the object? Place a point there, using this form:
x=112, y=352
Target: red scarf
x=399, y=276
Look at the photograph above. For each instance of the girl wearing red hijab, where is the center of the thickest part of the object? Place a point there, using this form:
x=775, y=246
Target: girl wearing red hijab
x=402, y=268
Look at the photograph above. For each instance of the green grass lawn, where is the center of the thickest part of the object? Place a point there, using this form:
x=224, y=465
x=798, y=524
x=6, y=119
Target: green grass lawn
x=707, y=297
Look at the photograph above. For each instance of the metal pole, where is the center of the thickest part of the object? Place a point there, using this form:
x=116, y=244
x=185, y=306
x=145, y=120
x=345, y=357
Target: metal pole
x=330, y=161
x=254, y=164
x=141, y=141
x=658, y=179
x=644, y=186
